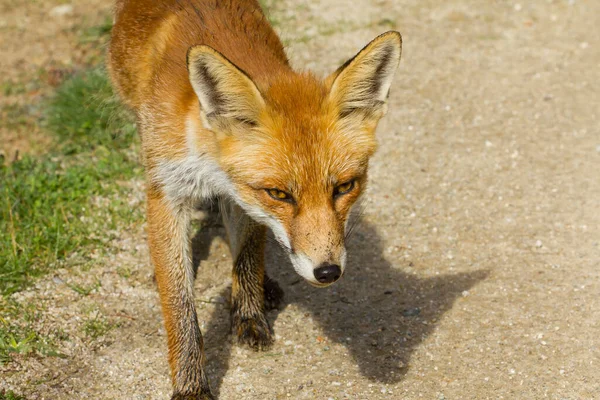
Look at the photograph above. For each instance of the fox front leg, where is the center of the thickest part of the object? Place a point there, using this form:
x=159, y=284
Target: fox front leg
x=252, y=292
x=170, y=250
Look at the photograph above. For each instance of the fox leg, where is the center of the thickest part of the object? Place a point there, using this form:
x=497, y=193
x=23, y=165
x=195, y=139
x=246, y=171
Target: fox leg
x=250, y=286
x=170, y=250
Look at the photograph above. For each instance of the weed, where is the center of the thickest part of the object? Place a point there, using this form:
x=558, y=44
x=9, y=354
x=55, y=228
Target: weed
x=388, y=23
x=10, y=88
x=84, y=290
x=97, y=326
x=13, y=116
x=10, y=395
x=124, y=272
x=20, y=337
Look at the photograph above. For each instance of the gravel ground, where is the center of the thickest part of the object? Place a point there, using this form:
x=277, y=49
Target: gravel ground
x=475, y=271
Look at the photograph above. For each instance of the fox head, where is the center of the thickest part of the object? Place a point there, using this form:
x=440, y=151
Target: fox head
x=296, y=150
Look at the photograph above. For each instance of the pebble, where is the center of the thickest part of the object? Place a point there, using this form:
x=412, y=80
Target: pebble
x=62, y=10
x=411, y=312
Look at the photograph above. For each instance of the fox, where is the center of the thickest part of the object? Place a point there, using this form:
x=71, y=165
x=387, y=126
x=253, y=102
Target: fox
x=222, y=114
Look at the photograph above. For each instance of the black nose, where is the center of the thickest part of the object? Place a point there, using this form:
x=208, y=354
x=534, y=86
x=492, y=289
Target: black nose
x=328, y=273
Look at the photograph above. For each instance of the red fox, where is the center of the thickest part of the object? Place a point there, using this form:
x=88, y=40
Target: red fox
x=222, y=114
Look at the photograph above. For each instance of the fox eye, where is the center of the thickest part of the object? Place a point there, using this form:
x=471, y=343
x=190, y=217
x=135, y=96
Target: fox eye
x=344, y=188
x=280, y=195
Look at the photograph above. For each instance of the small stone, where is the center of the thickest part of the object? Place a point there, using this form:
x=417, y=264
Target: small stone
x=538, y=244
x=411, y=312
x=62, y=10
x=218, y=300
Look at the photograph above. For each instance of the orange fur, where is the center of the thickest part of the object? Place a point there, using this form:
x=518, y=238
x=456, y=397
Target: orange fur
x=221, y=113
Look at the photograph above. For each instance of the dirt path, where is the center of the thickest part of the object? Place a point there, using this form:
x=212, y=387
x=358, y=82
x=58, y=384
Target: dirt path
x=475, y=274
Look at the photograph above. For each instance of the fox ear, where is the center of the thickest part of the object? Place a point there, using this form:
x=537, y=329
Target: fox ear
x=225, y=92
x=363, y=82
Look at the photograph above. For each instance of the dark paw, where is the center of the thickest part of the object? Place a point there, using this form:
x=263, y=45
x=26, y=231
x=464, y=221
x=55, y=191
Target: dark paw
x=273, y=294
x=203, y=396
x=255, y=332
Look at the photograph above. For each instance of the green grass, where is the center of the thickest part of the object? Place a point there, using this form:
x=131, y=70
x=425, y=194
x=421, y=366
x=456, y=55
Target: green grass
x=60, y=206
x=84, y=290
x=18, y=336
x=97, y=33
x=10, y=395
x=85, y=115
x=97, y=326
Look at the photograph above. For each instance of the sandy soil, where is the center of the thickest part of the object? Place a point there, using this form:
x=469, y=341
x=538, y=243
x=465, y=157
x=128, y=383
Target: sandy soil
x=475, y=272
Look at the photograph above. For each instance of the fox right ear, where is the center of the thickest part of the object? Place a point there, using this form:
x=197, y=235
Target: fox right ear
x=363, y=83
x=226, y=93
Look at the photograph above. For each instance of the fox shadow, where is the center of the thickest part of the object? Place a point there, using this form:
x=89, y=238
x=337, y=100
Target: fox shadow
x=378, y=312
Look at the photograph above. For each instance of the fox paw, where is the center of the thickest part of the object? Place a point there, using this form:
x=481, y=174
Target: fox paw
x=254, y=332
x=273, y=294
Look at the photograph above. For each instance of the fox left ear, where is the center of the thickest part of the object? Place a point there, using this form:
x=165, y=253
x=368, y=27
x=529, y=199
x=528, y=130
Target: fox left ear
x=363, y=82
x=226, y=94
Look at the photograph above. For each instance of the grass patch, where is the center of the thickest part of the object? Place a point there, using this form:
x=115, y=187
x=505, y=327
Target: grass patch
x=85, y=115
x=61, y=205
x=18, y=336
x=10, y=88
x=10, y=395
x=97, y=33
x=13, y=116
x=97, y=327
x=84, y=290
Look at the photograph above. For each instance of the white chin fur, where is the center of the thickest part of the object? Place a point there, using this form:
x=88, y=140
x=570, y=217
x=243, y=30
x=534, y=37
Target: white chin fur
x=304, y=267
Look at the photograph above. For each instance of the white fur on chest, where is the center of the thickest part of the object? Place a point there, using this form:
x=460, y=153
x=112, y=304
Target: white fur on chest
x=196, y=176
